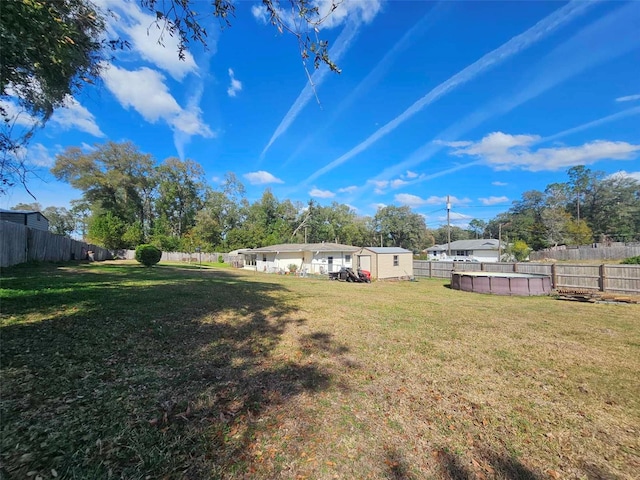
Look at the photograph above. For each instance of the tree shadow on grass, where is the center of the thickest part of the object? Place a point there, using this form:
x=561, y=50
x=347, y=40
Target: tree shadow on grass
x=488, y=464
x=397, y=467
x=130, y=372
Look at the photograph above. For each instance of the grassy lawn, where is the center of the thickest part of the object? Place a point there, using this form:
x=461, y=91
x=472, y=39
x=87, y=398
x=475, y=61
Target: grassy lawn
x=116, y=370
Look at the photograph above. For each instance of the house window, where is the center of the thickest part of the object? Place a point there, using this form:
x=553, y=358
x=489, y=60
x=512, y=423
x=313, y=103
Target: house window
x=395, y=261
x=462, y=253
x=264, y=258
x=347, y=258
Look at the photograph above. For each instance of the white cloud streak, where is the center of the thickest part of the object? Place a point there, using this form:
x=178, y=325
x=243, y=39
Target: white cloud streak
x=72, y=115
x=499, y=184
x=374, y=76
x=145, y=39
x=514, y=46
x=614, y=35
x=342, y=44
x=349, y=189
x=261, y=178
x=235, y=86
x=595, y=123
x=628, y=98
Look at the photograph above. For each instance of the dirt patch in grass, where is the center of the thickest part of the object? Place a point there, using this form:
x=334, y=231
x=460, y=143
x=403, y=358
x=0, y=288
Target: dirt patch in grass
x=175, y=373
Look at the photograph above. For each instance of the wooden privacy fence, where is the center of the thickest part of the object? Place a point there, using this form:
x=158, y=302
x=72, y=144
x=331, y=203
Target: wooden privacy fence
x=21, y=244
x=193, y=257
x=599, y=252
x=604, y=278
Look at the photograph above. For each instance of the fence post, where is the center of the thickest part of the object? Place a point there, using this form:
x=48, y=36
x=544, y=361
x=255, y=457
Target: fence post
x=603, y=278
x=515, y=267
x=430, y=271
x=554, y=276
x=482, y=267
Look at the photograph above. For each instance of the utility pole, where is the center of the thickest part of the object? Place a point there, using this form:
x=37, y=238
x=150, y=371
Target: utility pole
x=500, y=225
x=448, y=227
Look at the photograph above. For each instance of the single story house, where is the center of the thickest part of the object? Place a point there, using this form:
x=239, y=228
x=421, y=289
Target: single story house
x=386, y=262
x=482, y=250
x=307, y=257
x=29, y=218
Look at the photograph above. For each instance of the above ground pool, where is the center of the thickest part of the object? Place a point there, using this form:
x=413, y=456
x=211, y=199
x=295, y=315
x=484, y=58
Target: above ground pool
x=501, y=283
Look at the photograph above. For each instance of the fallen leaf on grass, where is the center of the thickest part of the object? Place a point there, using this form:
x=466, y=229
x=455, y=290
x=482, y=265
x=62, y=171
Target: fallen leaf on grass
x=553, y=474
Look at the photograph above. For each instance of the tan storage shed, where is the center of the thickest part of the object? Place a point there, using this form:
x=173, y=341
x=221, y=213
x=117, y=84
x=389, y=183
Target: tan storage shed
x=386, y=262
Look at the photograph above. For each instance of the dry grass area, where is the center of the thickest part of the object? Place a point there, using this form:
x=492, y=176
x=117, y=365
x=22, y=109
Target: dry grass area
x=174, y=373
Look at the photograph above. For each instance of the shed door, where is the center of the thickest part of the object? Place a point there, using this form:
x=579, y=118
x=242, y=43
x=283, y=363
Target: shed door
x=365, y=262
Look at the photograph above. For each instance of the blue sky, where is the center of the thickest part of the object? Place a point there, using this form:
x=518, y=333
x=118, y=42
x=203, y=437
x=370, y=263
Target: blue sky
x=478, y=100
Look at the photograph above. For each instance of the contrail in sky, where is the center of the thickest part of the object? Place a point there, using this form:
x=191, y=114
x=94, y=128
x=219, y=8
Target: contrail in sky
x=514, y=46
x=564, y=62
x=343, y=42
x=374, y=76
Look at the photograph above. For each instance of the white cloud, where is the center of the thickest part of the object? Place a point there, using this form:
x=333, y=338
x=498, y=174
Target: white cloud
x=380, y=186
x=146, y=92
x=316, y=192
x=397, y=183
x=349, y=189
x=261, y=178
x=628, y=98
x=73, y=115
x=435, y=200
x=411, y=174
x=235, y=86
x=13, y=114
x=378, y=206
x=35, y=155
x=260, y=13
x=499, y=184
x=624, y=174
x=334, y=13
x=410, y=200
x=380, y=183
x=39, y=156
x=494, y=200
x=144, y=37
x=504, y=152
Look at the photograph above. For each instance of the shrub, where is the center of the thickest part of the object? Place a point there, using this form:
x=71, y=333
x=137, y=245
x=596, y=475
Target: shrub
x=220, y=259
x=632, y=260
x=148, y=255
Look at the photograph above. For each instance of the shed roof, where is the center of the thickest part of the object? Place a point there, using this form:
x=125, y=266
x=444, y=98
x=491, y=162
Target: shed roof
x=22, y=212
x=389, y=250
x=304, y=247
x=481, y=244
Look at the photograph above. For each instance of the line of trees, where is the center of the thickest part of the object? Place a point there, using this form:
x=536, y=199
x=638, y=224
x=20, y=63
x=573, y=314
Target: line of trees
x=129, y=199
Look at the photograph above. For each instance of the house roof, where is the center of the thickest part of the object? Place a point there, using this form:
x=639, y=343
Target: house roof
x=304, y=247
x=393, y=250
x=482, y=244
